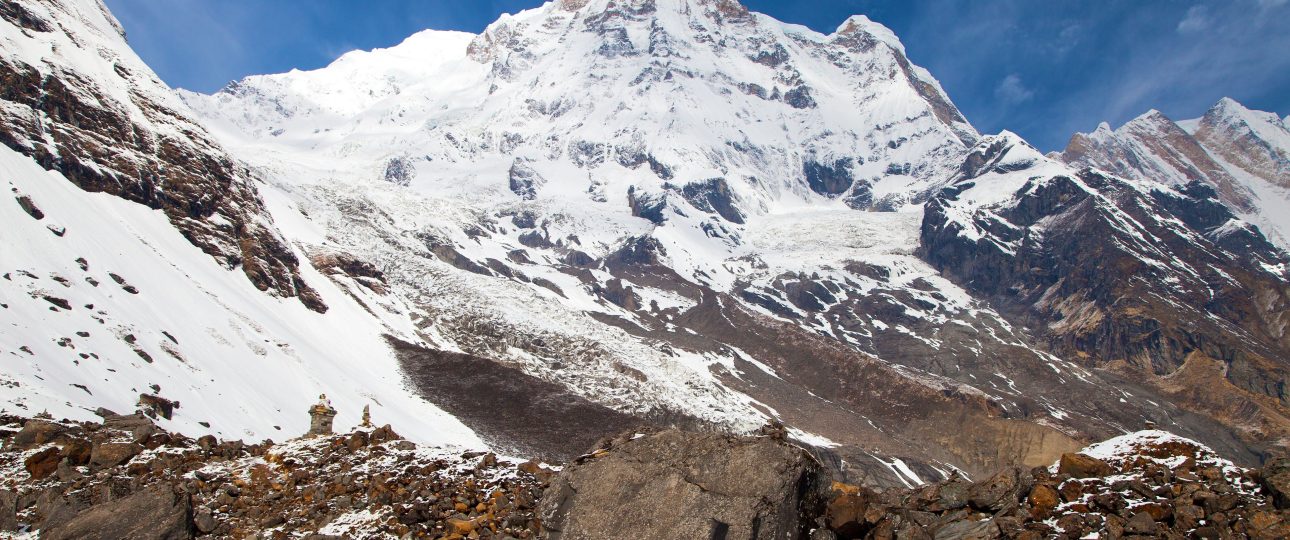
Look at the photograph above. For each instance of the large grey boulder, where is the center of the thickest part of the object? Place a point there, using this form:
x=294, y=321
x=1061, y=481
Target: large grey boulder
x=674, y=484
x=157, y=513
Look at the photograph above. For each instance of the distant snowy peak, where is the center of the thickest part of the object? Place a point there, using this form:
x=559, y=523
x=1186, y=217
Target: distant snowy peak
x=1244, y=155
x=1255, y=141
x=695, y=89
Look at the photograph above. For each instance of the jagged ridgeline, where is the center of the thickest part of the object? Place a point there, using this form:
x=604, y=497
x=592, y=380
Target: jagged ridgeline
x=598, y=216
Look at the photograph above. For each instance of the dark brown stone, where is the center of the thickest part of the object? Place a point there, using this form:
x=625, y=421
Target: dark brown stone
x=1043, y=499
x=1082, y=466
x=156, y=513
x=673, y=483
x=8, y=511
x=1275, y=477
x=111, y=454
x=43, y=463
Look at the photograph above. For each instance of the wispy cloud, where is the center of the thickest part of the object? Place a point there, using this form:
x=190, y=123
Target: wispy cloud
x=1196, y=20
x=1012, y=90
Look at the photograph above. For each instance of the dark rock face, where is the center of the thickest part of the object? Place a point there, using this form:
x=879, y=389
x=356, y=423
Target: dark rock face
x=161, y=158
x=826, y=179
x=156, y=513
x=714, y=195
x=650, y=206
x=524, y=181
x=399, y=171
x=1276, y=481
x=1146, y=283
x=8, y=511
x=673, y=484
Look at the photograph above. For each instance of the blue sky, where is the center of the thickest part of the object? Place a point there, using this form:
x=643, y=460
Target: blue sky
x=1041, y=68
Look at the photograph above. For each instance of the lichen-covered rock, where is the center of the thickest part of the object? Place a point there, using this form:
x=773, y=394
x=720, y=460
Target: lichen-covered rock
x=673, y=484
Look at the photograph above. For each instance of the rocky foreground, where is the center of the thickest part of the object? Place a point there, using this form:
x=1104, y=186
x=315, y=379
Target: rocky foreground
x=125, y=478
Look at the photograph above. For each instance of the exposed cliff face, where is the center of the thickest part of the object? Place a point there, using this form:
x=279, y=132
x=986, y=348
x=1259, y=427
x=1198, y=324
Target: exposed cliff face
x=1134, y=277
x=1254, y=141
x=77, y=100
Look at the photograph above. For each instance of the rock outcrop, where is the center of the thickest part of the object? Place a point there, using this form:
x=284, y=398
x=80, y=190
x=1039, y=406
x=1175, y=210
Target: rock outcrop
x=673, y=484
x=156, y=513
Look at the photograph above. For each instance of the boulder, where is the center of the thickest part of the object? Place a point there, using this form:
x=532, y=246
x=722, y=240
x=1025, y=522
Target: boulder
x=999, y=492
x=37, y=432
x=1082, y=466
x=1141, y=523
x=1276, y=481
x=43, y=463
x=111, y=454
x=1042, y=501
x=852, y=511
x=78, y=451
x=674, y=484
x=157, y=513
x=8, y=511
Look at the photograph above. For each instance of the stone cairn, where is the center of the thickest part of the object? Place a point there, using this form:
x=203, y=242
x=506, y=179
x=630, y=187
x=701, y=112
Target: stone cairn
x=321, y=415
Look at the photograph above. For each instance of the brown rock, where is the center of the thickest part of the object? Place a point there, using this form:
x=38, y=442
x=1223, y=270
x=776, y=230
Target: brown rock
x=674, y=484
x=156, y=513
x=1071, y=490
x=37, y=432
x=78, y=451
x=1042, y=501
x=1188, y=516
x=849, y=511
x=112, y=454
x=1140, y=523
x=1082, y=466
x=8, y=511
x=1157, y=511
x=997, y=493
x=43, y=463
x=1276, y=481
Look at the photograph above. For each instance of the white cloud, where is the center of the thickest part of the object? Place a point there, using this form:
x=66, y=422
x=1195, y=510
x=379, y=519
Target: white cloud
x=1197, y=19
x=1012, y=90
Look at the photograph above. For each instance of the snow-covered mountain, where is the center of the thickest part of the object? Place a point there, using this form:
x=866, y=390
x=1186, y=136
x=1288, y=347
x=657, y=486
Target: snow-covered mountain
x=602, y=212
x=1244, y=154
x=122, y=227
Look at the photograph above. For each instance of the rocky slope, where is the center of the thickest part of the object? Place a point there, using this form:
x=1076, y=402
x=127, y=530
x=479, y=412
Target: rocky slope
x=125, y=476
x=1151, y=280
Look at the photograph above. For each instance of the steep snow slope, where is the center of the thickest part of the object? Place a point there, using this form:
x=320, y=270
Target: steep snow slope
x=1244, y=154
x=103, y=301
x=78, y=100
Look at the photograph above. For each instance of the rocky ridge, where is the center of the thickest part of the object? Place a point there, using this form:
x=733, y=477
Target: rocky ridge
x=86, y=480
x=98, y=480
